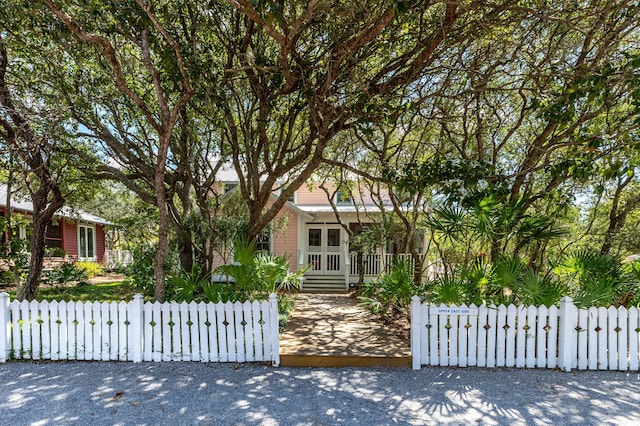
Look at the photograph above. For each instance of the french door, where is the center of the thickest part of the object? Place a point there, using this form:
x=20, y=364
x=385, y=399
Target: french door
x=324, y=249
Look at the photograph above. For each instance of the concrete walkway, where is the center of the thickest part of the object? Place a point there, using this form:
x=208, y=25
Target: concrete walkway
x=332, y=330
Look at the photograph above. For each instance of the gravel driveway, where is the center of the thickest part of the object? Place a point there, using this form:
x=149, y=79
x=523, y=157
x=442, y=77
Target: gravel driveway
x=86, y=393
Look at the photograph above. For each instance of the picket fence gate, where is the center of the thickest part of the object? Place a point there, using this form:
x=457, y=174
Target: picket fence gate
x=139, y=331
x=525, y=337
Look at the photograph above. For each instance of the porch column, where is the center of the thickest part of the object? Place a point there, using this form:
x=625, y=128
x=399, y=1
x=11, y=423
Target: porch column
x=347, y=259
x=302, y=247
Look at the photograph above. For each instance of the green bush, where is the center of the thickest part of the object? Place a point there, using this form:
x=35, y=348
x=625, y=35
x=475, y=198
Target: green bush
x=254, y=275
x=66, y=273
x=391, y=294
x=140, y=271
x=54, y=252
x=595, y=279
x=91, y=268
x=588, y=277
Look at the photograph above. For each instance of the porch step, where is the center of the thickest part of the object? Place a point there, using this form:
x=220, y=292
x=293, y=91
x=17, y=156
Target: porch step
x=324, y=285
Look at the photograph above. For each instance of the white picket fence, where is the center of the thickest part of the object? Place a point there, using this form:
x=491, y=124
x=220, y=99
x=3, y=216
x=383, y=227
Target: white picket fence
x=138, y=331
x=525, y=337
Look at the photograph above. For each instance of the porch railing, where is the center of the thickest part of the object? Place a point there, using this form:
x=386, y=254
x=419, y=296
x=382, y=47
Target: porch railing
x=377, y=263
x=118, y=258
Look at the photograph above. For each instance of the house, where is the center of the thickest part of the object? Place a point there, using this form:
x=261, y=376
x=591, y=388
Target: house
x=315, y=236
x=78, y=234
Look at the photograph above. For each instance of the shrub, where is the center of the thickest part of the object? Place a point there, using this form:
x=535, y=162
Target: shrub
x=91, y=268
x=390, y=295
x=188, y=285
x=596, y=279
x=140, y=271
x=254, y=275
x=54, y=252
x=590, y=278
x=65, y=273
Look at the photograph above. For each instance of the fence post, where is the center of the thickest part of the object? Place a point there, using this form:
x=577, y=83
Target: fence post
x=275, y=329
x=135, y=310
x=567, y=349
x=5, y=328
x=416, y=356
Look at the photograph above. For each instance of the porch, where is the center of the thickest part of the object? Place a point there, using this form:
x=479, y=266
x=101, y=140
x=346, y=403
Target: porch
x=334, y=272
x=325, y=247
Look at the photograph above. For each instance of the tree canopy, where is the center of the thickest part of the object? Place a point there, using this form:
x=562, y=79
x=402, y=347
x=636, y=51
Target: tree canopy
x=505, y=111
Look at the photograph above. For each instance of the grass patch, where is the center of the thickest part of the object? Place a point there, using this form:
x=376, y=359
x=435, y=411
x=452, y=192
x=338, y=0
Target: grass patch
x=106, y=292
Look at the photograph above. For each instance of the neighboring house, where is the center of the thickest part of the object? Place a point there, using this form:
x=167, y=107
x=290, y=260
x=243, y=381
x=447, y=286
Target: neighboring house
x=314, y=236
x=80, y=235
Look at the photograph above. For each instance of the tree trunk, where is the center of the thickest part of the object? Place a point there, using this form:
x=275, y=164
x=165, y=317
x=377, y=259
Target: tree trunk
x=43, y=211
x=29, y=290
x=417, y=264
x=360, y=263
x=610, y=235
x=185, y=251
x=618, y=215
x=496, y=250
x=160, y=257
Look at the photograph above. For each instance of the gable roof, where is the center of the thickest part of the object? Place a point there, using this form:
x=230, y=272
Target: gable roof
x=22, y=204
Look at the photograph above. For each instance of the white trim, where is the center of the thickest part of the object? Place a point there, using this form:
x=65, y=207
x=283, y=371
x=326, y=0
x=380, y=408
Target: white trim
x=79, y=231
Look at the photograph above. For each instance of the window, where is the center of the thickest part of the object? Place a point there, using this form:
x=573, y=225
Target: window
x=333, y=237
x=292, y=198
x=53, y=237
x=263, y=243
x=315, y=237
x=86, y=242
x=228, y=187
x=343, y=197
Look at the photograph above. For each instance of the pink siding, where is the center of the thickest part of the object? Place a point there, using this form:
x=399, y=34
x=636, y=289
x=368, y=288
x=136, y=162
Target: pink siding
x=100, y=243
x=317, y=196
x=285, y=242
x=70, y=238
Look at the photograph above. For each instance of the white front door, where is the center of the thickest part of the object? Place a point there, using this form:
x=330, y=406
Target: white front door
x=324, y=249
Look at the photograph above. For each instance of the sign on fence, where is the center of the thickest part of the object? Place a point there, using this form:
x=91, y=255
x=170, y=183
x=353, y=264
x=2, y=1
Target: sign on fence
x=138, y=331
x=455, y=311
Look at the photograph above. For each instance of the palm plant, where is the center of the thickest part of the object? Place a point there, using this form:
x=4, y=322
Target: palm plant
x=593, y=279
x=447, y=289
x=535, y=289
x=391, y=294
x=188, y=285
x=256, y=275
